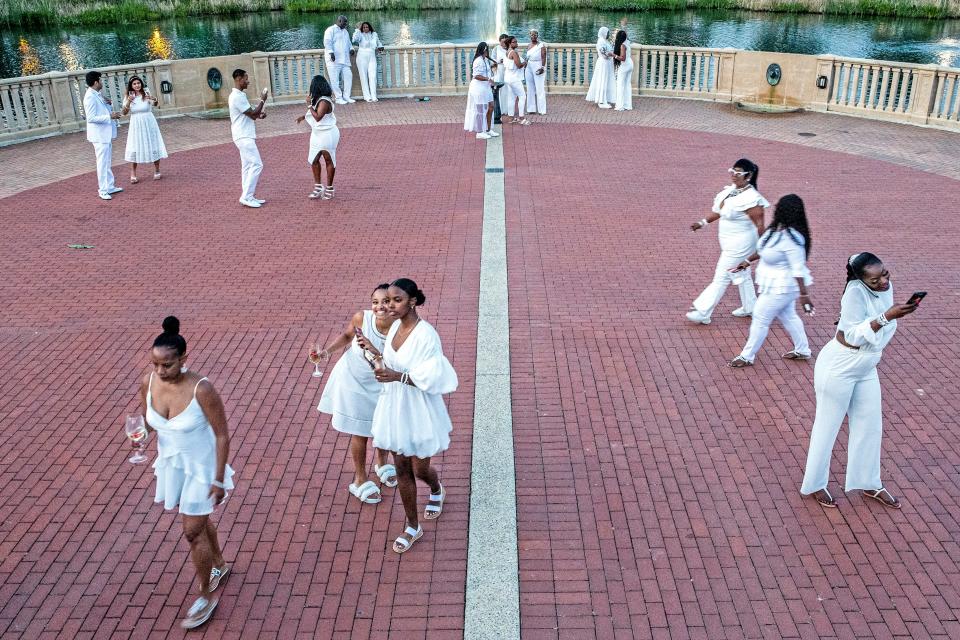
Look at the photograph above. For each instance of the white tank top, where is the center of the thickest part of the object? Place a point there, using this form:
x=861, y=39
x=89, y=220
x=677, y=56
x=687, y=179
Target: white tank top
x=514, y=73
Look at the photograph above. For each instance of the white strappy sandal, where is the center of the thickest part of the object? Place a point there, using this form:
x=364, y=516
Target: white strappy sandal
x=317, y=192
x=401, y=544
x=433, y=511
x=327, y=193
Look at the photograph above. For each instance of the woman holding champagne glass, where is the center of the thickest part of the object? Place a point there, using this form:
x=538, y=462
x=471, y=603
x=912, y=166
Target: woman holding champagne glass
x=191, y=469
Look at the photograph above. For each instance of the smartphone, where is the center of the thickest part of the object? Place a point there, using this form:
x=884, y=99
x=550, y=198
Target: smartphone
x=917, y=297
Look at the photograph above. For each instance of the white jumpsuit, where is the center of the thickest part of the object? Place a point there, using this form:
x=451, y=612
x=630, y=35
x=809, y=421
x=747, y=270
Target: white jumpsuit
x=536, y=82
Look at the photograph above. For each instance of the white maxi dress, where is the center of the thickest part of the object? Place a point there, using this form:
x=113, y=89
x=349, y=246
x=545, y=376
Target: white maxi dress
x=536, y=82
x=479, y=95
x=144, y=142
x=324, y=134
x=352, y=390
x=602, y=88
x=624, y=81
x=413, y=420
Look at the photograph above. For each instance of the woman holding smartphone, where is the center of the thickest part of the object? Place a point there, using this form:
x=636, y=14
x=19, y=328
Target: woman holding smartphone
x=352, y=391
x=846, y=383
x=144, y=142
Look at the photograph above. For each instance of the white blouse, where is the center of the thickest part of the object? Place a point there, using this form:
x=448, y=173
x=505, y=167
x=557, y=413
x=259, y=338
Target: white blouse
x=736, y=231
x=783, y=259
x=859, y=306
x=368, y=41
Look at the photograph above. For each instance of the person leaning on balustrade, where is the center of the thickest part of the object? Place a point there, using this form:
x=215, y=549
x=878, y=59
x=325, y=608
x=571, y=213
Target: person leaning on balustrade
x=337, y=49
x=368, y=46
x=101, y=130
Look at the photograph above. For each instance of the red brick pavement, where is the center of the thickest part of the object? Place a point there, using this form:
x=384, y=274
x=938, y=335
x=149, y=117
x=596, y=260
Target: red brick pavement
x=84, y=553
x=658, y=489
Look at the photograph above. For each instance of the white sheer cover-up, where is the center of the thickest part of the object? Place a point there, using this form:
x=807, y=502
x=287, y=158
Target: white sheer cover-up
x=479, y=95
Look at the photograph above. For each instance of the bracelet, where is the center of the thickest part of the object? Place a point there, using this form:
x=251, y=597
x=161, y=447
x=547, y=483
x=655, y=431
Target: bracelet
x=703, y=222
x=218, y=484
x=882, y=319
x=404, y=377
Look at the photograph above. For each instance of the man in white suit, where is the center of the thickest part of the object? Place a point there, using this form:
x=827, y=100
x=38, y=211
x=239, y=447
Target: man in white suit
x=337, y=49
x=101, y=130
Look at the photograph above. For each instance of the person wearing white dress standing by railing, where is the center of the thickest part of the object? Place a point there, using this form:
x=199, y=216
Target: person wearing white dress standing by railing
x=479, y=112
x=337, y=49
x=101, y=130
x=739, y=208
x=782, y=279
x=516, y=96
x=623, y=72
x=368, y=46
x=602, y=88
x=144, y=142
x=243, y=128
x=324, y=136
x=536, y=74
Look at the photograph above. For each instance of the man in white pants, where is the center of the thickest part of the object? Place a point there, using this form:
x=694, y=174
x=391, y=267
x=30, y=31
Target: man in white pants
x=101, y=130
x=243, y=126
x=338, y=48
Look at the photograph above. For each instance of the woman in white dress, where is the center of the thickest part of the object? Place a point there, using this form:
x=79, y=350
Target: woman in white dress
x=739, y=208
x=144, y=142
x=623, y=70
x=411, y=419
x=846, y=383
x=352, y=391
x=191, y=469
x=324, y=137
x=513, y=80
x=536, y=75
x=480, y=96
x=602, y=88
x=782, y=278
x=368, y=46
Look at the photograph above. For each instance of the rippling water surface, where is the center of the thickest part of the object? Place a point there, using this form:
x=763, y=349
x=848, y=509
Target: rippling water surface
x=33, y=51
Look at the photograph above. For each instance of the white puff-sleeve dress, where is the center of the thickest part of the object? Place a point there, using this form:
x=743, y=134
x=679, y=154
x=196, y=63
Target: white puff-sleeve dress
x=479, y=95
x=352, y=390
x=413, y=420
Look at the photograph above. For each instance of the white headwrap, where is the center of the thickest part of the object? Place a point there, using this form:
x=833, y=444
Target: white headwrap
x=602, y=35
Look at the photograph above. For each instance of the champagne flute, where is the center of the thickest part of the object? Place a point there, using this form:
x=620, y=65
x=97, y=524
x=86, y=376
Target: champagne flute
x=317, y=355
x=136, y=430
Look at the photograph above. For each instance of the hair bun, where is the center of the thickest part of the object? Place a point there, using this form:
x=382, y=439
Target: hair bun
x=171, y=325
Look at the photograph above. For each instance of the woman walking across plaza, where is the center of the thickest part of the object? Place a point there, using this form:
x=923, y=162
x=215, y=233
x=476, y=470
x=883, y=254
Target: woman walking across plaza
x=480, y=96
x=847, y=385
x=516, y=96
x=324, y=137
x=623, y=70
x=602, y=88
x=368, y=46
x=144, y=142
x=739, y=208
x=536, y=75
x=352, y=391
x=411, y=419
x=782, y=277
x=191, y=469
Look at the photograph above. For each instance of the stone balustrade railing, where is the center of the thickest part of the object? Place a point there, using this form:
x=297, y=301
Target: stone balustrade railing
x=929, y=95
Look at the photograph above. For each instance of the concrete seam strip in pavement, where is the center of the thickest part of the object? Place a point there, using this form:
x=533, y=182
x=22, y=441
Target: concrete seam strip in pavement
x=493, y=585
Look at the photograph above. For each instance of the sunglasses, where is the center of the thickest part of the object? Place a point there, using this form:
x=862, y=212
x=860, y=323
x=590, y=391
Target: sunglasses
x=739, y=174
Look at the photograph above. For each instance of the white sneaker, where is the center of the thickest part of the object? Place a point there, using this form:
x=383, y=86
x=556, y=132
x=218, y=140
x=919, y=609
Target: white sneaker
x=199, y=613
x=740, y=313
x=342, y=101
x=696, y=316
x=253, y=204
x=105, y=196
x=260, y=200
x=603, y=105
x=114, y=190
x=483, y=136
x=350, y=100
x=493, y=134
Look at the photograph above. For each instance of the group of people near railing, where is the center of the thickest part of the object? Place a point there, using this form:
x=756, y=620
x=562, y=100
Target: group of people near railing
x=845, y=376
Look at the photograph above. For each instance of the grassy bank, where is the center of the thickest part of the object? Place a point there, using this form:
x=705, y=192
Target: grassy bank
x=87, y=12
x=898, y=8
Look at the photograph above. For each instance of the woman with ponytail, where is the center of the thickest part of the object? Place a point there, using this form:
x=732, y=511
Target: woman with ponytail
x=193, y=444
x=411, y=419
x=846, y=383
x=739, y=210
x=782, y=277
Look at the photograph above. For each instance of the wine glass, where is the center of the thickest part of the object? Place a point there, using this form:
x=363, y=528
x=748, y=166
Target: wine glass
x=316, y=357
x=136, y=430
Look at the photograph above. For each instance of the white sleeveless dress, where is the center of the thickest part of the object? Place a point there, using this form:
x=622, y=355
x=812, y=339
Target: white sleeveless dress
x=324, y=134
x=413, y=421
x=144, y=142
x=352, y=391
x=186, y=463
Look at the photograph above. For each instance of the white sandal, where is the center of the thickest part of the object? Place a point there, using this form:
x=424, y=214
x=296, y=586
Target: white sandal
x=317, y=192
x=387, y=474
x=401, y=544
x=365, y=492
x=433, y=511
x=327, y=193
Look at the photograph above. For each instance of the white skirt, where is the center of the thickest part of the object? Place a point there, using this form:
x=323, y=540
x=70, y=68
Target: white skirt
x=351, y=395
x=324, y=140
x=144, y=142
x=478, y=97
x=411, y=422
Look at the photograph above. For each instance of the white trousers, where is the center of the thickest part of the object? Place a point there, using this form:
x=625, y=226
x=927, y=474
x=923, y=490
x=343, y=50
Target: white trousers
x=707, y=301
x=337, y=71
x=536, y=89
x=846, y=384
x=250, y=166
x=770, y=307
x=514, y=90
x=367, y=66
x=104, y=151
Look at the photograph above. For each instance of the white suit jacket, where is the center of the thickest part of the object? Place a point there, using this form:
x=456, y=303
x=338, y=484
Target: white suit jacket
x=100, y=127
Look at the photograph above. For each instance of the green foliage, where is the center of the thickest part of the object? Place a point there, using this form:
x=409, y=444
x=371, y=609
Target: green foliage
x=899, y=8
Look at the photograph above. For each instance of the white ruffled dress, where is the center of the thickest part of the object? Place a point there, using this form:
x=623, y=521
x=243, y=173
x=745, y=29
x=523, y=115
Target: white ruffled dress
x=413, y=420
x=186, y=463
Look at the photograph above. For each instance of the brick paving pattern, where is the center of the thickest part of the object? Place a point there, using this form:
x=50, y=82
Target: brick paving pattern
x=657, y=489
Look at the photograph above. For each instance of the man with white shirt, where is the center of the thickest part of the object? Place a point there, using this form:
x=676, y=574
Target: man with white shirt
x=243, y=126
x=337, y=49
x=499, y=54
x=101, y=130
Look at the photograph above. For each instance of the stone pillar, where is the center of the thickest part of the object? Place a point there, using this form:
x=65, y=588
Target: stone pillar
x=725, y=73
x=923, y=93
x=448, y=75
x=821, y=97
x=65, y=112
x=260, y=78
x=162, y=72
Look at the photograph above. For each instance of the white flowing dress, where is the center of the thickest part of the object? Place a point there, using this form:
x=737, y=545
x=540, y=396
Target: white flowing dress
x=352, y=390
x=602, y=88
x=479, y=95
x=624, y=81
x=324, y=134
x=413, y=421
x=186, y=463
x=144, y=142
